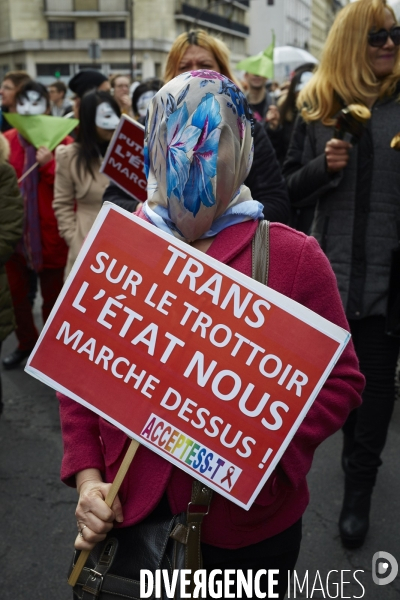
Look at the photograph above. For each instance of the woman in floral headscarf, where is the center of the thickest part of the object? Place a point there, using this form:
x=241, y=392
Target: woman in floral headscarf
x=194, y=50
x=204, y=125
x=199, y=149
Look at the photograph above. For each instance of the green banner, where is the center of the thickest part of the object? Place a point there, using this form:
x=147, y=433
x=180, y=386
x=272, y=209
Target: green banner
x=42, y=130
x=261, y=64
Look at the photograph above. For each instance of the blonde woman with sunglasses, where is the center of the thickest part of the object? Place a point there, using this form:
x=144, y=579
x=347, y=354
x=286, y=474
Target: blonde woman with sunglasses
x=357, y=219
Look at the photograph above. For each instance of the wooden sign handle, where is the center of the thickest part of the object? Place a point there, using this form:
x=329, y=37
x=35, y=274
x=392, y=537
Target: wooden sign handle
x=113, y=491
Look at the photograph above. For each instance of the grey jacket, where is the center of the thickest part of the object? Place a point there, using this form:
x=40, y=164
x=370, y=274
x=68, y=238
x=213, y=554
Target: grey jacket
x=357, y=215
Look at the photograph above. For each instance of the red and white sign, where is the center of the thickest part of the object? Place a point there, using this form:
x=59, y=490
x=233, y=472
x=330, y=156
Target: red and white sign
x=123, y=162
x=205, y=366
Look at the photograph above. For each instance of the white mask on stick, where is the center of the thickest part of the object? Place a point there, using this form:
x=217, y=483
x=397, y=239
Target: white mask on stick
x=31, y=104
x=106, y=117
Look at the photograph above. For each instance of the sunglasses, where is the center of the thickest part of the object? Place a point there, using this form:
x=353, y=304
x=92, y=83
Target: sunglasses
x=378, y=39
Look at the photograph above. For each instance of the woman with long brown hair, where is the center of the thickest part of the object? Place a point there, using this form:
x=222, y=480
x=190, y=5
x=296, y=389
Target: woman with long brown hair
x=357, y=219
x=79, y=185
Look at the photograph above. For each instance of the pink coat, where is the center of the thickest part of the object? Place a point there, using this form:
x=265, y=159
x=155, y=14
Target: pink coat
x=300, y=270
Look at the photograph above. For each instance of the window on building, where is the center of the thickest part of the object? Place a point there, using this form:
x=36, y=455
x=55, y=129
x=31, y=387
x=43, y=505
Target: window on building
x=86, y=5
x=112, y=29
x=119, y=67
x=85, y=66
x=270, y=2
x=157, y=69
x=52, y=70
x=61, y=30
x=3, y=70
x=138, y=71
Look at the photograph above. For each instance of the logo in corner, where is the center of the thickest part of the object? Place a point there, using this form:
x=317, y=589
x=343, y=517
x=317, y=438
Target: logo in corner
x=384, y=568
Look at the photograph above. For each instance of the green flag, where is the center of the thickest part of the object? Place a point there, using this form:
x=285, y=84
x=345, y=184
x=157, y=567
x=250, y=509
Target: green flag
x=41, y=130
x=261, y=64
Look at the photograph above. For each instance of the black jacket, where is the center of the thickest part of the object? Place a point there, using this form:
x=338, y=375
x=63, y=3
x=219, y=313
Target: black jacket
x=357, y=212
x=118, y=196
x=265, y=179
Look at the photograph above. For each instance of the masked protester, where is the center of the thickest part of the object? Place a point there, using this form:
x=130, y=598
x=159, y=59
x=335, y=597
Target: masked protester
x=198, y=151
x=79, y=186
x=142, y=96
x=357, y=220
x=41, y=250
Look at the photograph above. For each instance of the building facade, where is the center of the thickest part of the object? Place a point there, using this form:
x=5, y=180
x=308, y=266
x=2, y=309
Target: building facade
x=395, y=4
x=323, y=13
x=289, y=19
x=57, y=38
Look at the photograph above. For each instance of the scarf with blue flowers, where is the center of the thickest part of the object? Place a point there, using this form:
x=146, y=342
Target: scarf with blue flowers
x=198, y=152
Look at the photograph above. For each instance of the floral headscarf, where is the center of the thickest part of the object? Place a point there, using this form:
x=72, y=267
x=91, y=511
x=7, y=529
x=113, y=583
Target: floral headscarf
x=198, y=151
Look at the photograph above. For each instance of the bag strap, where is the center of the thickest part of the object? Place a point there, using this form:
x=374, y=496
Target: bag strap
x=190, y=534
x=198, y=508
x=260, y=253
x=93, y=578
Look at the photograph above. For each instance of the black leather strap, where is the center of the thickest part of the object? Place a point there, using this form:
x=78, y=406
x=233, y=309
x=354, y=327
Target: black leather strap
x=112, y=587
x=92, y=579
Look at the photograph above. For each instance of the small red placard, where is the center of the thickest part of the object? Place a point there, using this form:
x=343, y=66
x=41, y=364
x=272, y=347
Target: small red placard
x=123, y=162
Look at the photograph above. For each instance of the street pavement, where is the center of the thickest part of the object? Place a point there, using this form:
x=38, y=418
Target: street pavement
x=37, y=524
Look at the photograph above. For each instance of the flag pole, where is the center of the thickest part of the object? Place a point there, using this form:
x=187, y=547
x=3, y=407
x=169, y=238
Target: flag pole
x=32, y=168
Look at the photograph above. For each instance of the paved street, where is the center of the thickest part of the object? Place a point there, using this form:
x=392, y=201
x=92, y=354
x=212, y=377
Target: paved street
x=37, y=511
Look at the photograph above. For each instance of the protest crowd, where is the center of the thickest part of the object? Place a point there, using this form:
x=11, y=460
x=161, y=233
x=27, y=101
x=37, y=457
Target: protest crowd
x=316, y=157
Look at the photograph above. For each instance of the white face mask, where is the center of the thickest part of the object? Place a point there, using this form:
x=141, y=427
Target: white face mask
x=305, y=78
x=32, y=104
x=106, y=118
x=143, y=102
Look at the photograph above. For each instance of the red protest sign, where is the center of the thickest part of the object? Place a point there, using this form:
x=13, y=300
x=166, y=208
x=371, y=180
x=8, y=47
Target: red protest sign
x=205, y=366
x=123, y=162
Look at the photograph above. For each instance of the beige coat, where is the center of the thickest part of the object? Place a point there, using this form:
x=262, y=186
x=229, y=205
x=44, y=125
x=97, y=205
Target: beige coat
x=70, y=189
